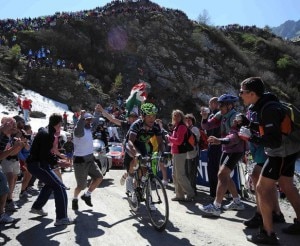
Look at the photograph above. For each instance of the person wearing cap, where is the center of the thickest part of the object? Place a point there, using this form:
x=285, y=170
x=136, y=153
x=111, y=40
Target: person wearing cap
x=124, y=125
x=233, y=149
x=83, y=161
x=282, y=151
x=192, y=158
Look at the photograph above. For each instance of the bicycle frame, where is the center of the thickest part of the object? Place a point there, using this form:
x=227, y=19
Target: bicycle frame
x=149, y=189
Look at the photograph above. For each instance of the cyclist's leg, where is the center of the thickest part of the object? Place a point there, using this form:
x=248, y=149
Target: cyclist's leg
x=129, y=168
x=163, y=170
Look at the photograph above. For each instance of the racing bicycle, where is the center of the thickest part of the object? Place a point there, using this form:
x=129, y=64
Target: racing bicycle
x=149, y=189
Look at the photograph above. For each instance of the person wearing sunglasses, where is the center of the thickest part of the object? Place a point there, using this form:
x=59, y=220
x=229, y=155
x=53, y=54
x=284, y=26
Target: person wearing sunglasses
x=282, y=151
x=233, y=148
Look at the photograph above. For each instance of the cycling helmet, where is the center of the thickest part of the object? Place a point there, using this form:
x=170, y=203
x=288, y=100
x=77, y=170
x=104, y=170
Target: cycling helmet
x=148, y=109
x=227, y=98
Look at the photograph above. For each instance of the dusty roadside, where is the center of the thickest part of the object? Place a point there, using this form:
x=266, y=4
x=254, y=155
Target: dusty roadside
x=110, y=222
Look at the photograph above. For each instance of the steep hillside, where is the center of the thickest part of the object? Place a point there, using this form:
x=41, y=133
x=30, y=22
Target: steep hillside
x=184, y=62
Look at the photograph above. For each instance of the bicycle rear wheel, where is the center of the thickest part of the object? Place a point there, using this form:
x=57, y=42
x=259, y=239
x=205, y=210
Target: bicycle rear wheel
x=157, y=203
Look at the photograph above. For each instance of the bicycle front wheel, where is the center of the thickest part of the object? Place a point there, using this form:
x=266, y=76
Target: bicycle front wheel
x=157, y=203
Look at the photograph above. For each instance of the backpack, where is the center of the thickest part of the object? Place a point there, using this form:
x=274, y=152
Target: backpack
x=189, y=142
x=191, y=138
x=291, y=121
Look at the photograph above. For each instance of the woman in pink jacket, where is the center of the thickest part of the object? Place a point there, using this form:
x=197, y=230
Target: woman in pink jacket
x=182, y=184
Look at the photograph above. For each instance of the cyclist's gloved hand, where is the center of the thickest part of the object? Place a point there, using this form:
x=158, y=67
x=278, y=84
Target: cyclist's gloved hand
x=245, y=133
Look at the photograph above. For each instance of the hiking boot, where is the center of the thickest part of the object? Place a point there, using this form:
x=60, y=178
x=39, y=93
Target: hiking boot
x=32, y=191
x=40, y=212
x=87, y=200
x=6, y=219
x=210, y=210
x=11, y=206
x=263, y=238
x=75, y=204
x=255, y=222
x=64, y=221
x=24, y=195
x=293, y=229
x=234, y=206
x=278, y=218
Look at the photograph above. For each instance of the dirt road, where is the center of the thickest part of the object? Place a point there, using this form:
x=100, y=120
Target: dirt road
x=110, y=222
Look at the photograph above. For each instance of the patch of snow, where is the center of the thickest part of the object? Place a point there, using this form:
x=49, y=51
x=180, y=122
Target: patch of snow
x=41, y=104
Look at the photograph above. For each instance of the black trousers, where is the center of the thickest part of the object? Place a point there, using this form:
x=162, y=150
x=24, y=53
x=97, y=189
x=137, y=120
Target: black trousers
x=213, y=161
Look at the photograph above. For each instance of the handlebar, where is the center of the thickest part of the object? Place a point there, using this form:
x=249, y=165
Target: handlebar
x=145, y=161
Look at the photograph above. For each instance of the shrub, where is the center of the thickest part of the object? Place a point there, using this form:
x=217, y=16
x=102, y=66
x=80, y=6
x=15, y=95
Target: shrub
x=284, y=62
x=249, y=40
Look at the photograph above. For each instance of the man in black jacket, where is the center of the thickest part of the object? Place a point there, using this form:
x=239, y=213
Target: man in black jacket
x=281, y=149
x=39, y=163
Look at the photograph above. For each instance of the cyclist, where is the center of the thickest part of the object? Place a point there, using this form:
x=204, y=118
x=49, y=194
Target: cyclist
x=233, y=149
x=137, y=141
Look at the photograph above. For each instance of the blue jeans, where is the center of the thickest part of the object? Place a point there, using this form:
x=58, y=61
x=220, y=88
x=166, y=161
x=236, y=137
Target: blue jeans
x=26, y=115
x=52, y=184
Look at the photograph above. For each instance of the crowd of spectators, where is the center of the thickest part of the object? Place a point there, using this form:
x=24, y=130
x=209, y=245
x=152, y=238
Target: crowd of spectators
x=112, y=8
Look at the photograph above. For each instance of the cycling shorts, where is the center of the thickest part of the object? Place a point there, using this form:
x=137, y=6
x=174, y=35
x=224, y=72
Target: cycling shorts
x=231, y=160
x=279, y=166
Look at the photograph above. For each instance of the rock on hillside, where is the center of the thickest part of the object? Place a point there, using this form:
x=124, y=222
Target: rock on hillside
x=184, y=62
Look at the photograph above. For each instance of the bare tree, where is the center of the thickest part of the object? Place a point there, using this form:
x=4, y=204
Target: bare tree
x=204, y=17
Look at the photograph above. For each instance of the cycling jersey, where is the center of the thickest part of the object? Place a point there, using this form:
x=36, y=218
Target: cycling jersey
x=143, y=135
